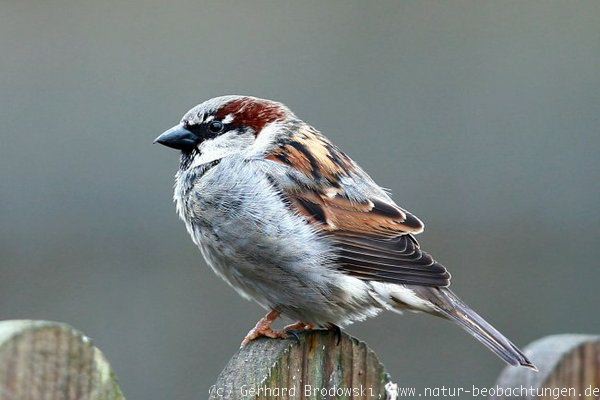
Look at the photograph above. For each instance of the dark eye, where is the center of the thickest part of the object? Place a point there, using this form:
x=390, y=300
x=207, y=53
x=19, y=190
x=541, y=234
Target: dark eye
x=215, y=126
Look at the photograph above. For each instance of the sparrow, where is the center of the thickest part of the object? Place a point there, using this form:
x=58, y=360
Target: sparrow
x=288, y=220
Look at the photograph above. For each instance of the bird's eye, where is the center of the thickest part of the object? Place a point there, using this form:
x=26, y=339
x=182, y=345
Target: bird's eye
x=215, y=126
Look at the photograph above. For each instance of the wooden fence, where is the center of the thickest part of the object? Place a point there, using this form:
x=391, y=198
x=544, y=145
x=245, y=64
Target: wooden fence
x=49, y=360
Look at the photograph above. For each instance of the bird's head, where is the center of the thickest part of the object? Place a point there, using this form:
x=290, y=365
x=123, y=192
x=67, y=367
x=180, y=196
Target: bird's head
x=224, y=126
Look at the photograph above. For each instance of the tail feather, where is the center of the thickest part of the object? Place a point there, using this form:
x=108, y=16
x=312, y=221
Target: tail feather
x=451, y=307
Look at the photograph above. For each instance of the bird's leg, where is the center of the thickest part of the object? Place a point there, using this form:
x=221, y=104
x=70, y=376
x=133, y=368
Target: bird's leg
x=263, y=328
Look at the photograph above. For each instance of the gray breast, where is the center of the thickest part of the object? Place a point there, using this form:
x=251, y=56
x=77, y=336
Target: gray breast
x=248, y=235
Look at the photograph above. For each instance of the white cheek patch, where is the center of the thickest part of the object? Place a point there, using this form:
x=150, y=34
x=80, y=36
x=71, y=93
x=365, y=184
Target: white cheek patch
x=223, y=145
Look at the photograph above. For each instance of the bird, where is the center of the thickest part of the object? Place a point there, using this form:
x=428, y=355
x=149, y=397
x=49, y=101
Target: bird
x=290, y=221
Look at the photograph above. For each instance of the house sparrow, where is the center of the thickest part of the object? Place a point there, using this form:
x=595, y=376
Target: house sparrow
x=291, y=222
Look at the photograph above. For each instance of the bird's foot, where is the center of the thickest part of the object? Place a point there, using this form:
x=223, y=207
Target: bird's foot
x=299, y=326
x=263, y=328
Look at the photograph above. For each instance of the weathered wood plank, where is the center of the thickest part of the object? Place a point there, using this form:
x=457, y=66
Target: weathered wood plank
x=314, y=367
x=49, y=360
x=569, y=368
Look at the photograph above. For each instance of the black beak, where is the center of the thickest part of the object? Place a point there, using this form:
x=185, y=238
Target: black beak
x=177, y=138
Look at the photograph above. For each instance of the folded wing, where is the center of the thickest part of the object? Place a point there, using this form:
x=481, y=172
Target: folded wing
x=373, y=236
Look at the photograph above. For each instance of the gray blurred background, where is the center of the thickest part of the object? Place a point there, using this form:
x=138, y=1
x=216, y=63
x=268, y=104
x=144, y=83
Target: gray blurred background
x=482, y=118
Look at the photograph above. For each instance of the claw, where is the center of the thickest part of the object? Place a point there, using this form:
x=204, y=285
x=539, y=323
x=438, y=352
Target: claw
x=295, y=335
x=296, y=328
x=263, y=328
x=337, y=331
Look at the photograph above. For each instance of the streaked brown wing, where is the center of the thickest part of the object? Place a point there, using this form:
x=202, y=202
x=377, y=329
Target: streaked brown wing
x=373, y=245
x=373, y=235
x=369, y=217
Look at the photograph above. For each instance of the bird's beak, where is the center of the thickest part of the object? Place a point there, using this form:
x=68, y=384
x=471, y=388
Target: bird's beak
x=177, y=138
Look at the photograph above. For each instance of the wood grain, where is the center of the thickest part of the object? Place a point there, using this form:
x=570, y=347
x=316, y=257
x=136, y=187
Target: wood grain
x=569, y=369
x=313, y=367
x=52, y=361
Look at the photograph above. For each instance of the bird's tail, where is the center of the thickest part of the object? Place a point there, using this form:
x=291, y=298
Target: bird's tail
x=451, y=307
x=444, y=303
